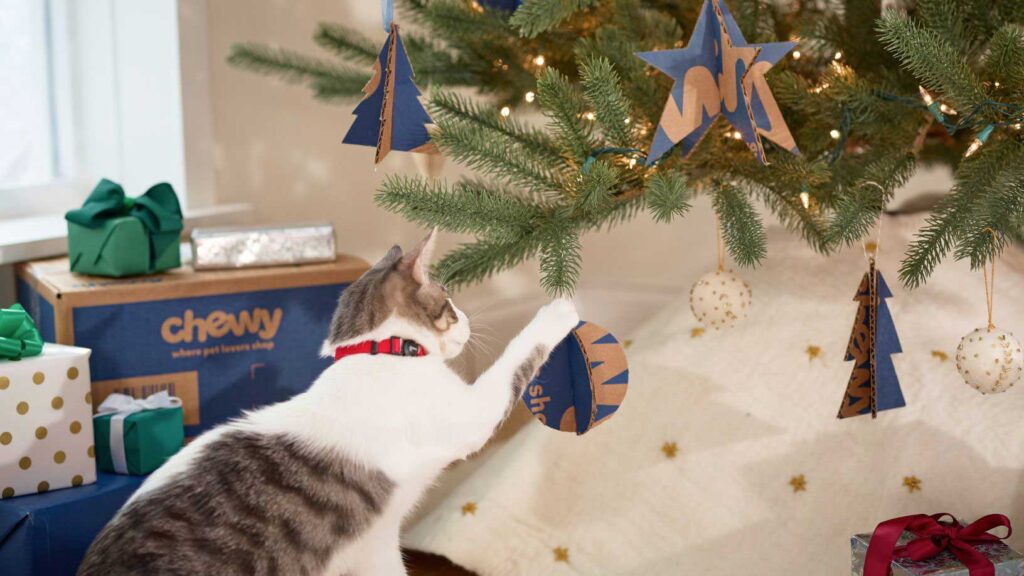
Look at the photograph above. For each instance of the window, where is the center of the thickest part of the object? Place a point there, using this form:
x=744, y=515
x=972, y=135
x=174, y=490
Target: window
x=28, y=139
x=94, y=89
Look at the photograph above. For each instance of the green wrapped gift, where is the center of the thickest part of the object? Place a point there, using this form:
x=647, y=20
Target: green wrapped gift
x=115, y=235
x=136, y=436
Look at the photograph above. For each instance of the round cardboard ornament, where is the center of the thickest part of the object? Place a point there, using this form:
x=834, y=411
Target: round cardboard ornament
x=583, y=382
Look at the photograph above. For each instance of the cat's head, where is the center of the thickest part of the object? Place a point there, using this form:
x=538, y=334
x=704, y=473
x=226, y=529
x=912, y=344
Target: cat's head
x=397, y=297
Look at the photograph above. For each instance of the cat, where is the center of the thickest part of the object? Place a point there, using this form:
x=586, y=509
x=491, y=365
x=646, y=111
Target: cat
x=320, y=484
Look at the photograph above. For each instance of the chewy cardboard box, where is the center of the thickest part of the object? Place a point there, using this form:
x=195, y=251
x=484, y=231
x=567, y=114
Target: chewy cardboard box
x=222, y=341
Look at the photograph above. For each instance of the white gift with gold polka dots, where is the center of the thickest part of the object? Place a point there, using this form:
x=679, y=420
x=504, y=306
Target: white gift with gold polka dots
x=46, y=438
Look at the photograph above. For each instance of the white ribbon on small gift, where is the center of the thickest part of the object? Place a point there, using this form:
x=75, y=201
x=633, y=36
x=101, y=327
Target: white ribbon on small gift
x=122, y=406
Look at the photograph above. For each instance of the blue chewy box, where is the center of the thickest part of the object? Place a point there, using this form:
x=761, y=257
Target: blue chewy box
x=49, y=533
x=222, y=341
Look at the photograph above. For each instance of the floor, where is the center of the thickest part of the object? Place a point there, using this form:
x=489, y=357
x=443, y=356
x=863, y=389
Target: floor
x=423, y=564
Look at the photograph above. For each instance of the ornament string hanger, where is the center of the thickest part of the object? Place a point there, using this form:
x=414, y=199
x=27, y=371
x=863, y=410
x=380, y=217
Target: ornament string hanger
x=989, y=276
x=720, y=242
x=872, y=249
x=387, y=13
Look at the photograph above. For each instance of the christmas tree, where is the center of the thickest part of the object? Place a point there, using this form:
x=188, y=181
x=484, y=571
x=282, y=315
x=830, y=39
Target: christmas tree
x=873, y=385
x=849, y=94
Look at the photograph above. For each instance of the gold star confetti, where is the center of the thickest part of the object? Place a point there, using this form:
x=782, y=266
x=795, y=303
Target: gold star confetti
x=670, y=449
x=942, y=356
x=627, y=343
x=913, y=483
x=696, y=332
x=799, y=483
x=813, y=351
x=561, y=554
x=469, y=508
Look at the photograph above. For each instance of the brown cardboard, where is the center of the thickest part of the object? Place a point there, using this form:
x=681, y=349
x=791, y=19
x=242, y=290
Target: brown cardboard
x=65, y=290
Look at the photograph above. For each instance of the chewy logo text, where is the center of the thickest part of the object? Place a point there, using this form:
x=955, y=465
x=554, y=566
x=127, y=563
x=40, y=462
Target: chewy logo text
x=187, y=328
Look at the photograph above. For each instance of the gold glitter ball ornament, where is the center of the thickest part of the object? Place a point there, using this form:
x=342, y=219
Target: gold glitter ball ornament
x=720, y=299
x=990, y=360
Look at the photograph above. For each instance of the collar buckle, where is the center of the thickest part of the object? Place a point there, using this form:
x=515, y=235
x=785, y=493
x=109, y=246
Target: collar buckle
x=410, y=348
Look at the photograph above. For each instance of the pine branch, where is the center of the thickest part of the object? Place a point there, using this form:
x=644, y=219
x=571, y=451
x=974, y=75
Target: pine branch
x=603, y=92
x=448, y=105
x=493, y=153
x=328, y=80
x=667, y=196
x=474, y=262
x=741, y=227
x=998, y=211
x=593, y=192
x=560, y=258
x=347, y=43
x=1005, y=61
x=562, y=104
x=536, y=16
x=468, y=207
x=946, y=224
x=858, y=211
x=931, y=58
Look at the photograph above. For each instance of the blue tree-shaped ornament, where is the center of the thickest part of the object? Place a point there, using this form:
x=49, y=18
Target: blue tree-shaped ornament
x=391, y=117
x=873, y=385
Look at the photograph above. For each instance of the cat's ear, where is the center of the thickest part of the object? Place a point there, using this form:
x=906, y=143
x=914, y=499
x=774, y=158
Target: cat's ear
x=390, y=258
x=419, y=260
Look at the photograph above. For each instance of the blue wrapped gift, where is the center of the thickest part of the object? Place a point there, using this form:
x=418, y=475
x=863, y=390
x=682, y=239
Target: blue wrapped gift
x=50, y=533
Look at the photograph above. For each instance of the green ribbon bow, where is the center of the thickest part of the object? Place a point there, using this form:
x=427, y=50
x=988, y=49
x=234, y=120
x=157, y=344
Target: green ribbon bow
x=18, y=335
x=157, y=209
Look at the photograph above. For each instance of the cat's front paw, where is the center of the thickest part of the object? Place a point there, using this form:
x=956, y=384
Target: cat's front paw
x=554, y=321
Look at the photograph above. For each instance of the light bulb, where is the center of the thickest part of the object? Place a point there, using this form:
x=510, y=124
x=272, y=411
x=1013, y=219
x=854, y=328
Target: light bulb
x=506, y=112
x=737, y=135
x=530, y=97
x=805, y=199
x=925, y=96
x=838, y=55
x=539, y=60
x=834, y=134
x=590, y=116
x=796, y=54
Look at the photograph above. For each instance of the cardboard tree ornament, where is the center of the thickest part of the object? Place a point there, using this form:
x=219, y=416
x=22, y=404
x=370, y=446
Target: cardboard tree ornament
x=583, y=382
x=719, y=73
x=390, y=116
x=873, y=385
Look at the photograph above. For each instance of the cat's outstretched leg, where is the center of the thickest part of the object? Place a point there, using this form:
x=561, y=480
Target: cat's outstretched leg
x=497, y=389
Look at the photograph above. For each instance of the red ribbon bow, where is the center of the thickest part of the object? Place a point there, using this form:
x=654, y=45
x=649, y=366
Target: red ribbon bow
x=933, y=535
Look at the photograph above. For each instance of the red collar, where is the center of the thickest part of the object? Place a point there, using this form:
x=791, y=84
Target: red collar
x=393, y=346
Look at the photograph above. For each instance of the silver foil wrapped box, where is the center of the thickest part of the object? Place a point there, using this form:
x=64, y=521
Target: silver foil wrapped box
x=252, y=247
x=1006, y=560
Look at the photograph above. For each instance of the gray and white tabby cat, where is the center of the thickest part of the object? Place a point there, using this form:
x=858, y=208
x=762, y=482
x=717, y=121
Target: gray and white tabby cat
x=320, y=484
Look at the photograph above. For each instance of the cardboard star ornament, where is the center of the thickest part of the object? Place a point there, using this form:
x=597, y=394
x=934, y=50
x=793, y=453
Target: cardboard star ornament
x=390, y=116
x=719, y=74
x=873, y=385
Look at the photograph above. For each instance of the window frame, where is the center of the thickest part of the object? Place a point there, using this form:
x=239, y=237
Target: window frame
x=131, y=102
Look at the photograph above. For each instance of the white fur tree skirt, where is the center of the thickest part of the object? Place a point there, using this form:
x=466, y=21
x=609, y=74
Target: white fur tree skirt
x=749, y=410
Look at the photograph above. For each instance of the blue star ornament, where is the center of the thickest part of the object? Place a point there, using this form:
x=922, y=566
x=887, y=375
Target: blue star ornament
x=719, y=73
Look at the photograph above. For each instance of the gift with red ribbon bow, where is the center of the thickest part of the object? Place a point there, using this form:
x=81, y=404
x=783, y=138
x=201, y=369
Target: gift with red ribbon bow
x=931, y=536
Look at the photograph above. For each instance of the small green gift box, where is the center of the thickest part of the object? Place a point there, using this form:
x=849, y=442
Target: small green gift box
x=136, y=436
x=115, y=235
